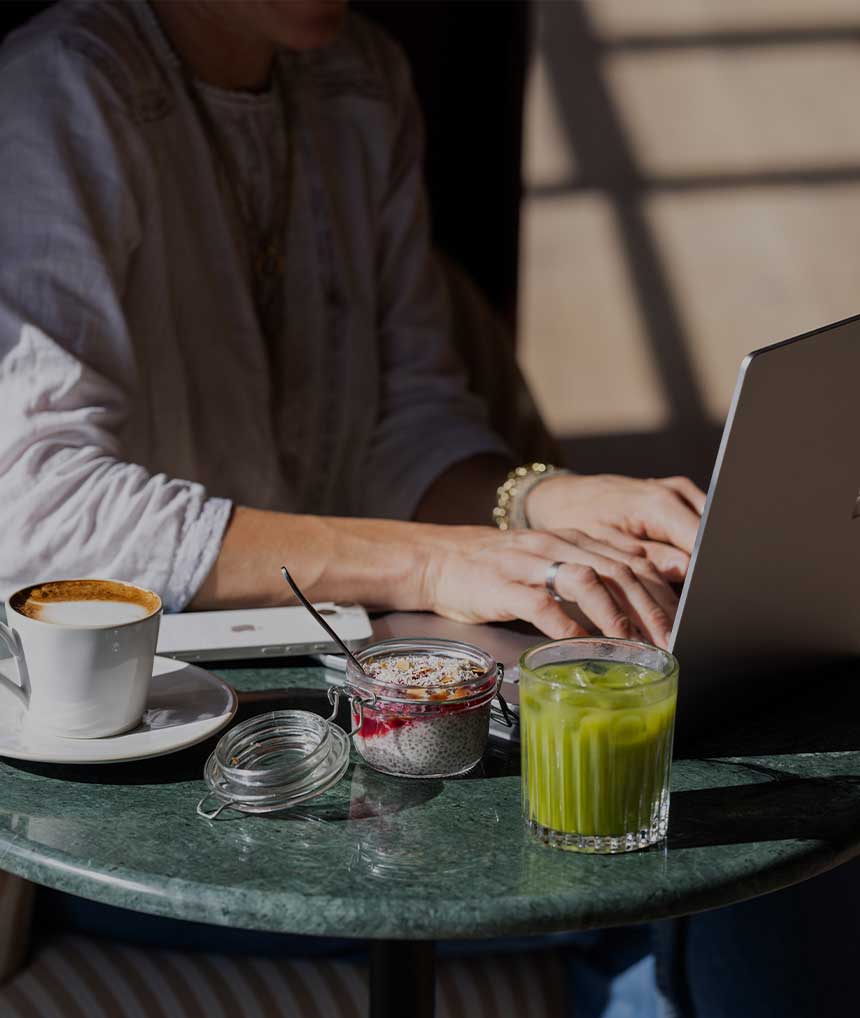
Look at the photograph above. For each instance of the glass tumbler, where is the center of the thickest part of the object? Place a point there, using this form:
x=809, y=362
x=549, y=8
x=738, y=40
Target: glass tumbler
x=596, y=724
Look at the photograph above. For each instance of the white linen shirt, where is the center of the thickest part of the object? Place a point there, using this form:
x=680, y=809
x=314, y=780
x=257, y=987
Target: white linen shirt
x=139, y=398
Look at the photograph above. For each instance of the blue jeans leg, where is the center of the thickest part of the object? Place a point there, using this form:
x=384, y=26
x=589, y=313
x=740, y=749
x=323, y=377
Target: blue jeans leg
x=791, y=954
x=609, y=974
x=669, y=943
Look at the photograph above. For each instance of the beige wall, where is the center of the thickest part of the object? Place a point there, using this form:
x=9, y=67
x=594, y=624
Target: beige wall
x=693, y=192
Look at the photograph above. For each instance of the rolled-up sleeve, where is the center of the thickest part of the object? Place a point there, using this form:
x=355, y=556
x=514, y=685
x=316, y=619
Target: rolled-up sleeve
x=428, y=419
x=71, y=503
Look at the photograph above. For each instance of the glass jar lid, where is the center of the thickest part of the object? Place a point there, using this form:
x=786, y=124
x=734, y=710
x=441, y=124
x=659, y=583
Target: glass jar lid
x=276, y=760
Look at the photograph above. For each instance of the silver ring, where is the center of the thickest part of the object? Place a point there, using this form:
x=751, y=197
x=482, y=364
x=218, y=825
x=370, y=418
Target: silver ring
x=549, y=581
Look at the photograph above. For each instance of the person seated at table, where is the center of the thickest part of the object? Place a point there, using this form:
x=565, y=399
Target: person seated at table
x=225, y=340
x=225, y=343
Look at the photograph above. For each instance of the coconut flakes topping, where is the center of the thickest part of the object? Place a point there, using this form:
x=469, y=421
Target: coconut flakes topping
x=421, y=670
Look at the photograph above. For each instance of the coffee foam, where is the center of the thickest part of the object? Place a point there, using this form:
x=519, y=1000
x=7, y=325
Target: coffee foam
x=85, y=603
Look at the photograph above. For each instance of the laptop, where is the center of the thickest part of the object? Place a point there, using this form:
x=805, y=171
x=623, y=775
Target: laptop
x=773, y=586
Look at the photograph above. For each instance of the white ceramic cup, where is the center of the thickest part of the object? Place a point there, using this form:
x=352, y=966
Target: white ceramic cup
x=88, y=675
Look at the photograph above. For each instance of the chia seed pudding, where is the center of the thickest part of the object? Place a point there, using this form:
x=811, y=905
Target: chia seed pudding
x=427, y=706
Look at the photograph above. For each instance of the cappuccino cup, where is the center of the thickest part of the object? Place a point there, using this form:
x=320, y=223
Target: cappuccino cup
x=82, y=651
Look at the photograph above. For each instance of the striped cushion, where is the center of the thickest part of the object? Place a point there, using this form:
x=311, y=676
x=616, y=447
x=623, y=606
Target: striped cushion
x=16, y=909
x=80, y=977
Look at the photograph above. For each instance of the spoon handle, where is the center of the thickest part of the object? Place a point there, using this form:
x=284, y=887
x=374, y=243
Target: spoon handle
x=295, y=589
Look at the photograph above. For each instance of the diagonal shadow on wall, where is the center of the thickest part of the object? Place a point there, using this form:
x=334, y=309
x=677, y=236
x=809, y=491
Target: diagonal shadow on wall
x=606, y=163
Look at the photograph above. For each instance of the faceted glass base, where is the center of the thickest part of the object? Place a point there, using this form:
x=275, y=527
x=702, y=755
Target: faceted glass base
x=596, y=844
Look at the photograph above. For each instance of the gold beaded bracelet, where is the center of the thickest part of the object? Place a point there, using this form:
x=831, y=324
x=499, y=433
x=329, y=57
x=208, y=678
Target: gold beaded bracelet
x=510, y=511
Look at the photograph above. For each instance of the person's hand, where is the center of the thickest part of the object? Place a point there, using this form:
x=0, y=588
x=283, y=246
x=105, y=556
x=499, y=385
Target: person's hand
x=475, y=574
x=656, y=519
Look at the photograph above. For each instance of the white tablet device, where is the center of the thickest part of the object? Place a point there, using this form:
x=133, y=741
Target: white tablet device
x=258, y=632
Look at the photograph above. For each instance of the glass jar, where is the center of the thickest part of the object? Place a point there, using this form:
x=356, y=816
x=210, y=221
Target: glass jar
x=425, y=707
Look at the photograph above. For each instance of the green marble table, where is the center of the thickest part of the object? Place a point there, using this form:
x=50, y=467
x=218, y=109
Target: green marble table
x=769, y=803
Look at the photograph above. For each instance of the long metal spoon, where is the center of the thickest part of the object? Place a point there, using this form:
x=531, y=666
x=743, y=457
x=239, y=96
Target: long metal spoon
x=295, y=589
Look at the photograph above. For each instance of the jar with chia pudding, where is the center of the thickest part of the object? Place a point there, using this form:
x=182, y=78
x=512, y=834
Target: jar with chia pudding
x=425, y=706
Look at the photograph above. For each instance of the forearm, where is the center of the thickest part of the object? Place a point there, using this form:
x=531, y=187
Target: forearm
x=465, y=493
x=380, y=563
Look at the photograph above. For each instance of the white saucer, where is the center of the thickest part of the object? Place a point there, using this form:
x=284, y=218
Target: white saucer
x=186, y=705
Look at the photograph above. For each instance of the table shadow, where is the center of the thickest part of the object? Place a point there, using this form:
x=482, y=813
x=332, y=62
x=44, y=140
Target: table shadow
x=186, y=764
x=501, y=759
x=817, y=713
x=361, y=793
x=786, y=808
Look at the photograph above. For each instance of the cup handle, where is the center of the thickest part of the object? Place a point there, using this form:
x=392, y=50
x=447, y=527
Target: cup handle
x=21, y=688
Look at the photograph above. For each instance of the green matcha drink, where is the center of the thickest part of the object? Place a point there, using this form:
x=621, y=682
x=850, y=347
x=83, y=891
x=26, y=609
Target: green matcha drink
x=596, y=721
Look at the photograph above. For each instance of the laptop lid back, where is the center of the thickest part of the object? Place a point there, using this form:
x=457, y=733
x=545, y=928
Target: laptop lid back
x=774, y=581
